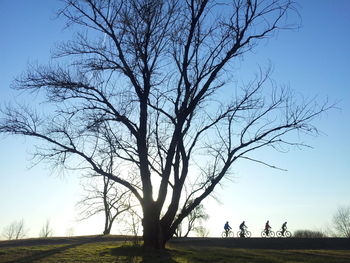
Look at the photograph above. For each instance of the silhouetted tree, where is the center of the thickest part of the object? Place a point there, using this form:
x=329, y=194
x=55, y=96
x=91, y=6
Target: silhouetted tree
x=341, y=221
x=107, y=198
x=132, y=225
x=190, y=223
x=46, y=230
x=70, y=231
x=201, y=231
x=142, y=83
x=15, y=230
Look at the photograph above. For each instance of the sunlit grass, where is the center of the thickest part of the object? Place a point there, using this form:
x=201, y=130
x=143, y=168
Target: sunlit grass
x=122, y=252
x=228, y=255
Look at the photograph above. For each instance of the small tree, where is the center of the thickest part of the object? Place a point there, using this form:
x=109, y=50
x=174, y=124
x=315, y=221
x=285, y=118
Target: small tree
x=133, y=224
x=201, y=231
x=15, y=230
x=46, y=230
x=341, y=221
x=70, y=231
x=198, y=215
x=107, y=198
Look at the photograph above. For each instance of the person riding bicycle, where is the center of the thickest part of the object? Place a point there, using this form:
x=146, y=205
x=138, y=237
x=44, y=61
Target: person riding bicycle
x=242, y=227
x=267, y=227
x=284, y=227
x=227, y=227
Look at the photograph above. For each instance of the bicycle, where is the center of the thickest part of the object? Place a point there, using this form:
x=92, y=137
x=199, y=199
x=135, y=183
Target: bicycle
x=226, y=234
x=286, y=233
x=270, y=233
x=245, y=233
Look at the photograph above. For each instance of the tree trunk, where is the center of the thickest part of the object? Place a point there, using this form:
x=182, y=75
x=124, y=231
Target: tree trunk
x=153, y=235
x=107, y=229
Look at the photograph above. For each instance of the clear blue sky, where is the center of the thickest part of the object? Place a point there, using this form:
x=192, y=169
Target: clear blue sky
x=314, y=60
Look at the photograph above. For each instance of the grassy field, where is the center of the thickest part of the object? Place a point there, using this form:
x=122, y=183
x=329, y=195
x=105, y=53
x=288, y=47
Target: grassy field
x=123, y=252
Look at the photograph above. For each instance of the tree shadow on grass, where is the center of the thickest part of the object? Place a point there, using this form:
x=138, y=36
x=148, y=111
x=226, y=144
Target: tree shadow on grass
x=138, y=254
x=47, y=253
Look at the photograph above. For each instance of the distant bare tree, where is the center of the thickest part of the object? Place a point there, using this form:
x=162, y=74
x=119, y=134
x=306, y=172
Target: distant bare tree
x=46, y=230
x=133, y=224
x=15, y=230
x=201, y=231
x=70, y=231
x=341, y=221
x=107, y=198
x=197, y=216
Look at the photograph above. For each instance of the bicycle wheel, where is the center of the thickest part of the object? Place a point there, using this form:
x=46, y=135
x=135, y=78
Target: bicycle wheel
x=279, y=233
x=239, y=233
x=263, y=233
x=271, y=233
x=248, y=233
x=230, y=234
x=287, y=233
x=224, y=234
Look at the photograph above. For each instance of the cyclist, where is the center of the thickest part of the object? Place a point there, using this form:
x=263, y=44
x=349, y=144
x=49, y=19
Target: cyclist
x=267, y=227
x=284, y=227
x=227, y=227
x=242, y=227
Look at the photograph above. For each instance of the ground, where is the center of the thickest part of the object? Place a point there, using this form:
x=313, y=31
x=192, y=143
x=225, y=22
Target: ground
x=184, y=250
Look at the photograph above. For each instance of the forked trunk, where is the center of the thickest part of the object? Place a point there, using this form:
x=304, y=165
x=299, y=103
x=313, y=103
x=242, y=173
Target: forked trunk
x=154, y=235
x=152, y=240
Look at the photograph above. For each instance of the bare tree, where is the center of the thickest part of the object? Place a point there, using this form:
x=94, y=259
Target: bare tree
x=341, y=221
x=201, y=231
x=15, y=230
x=132, y=221
x=46, y=230
x=108, y=198
x=141, y=82
x=190, y=223
x=70, y=231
